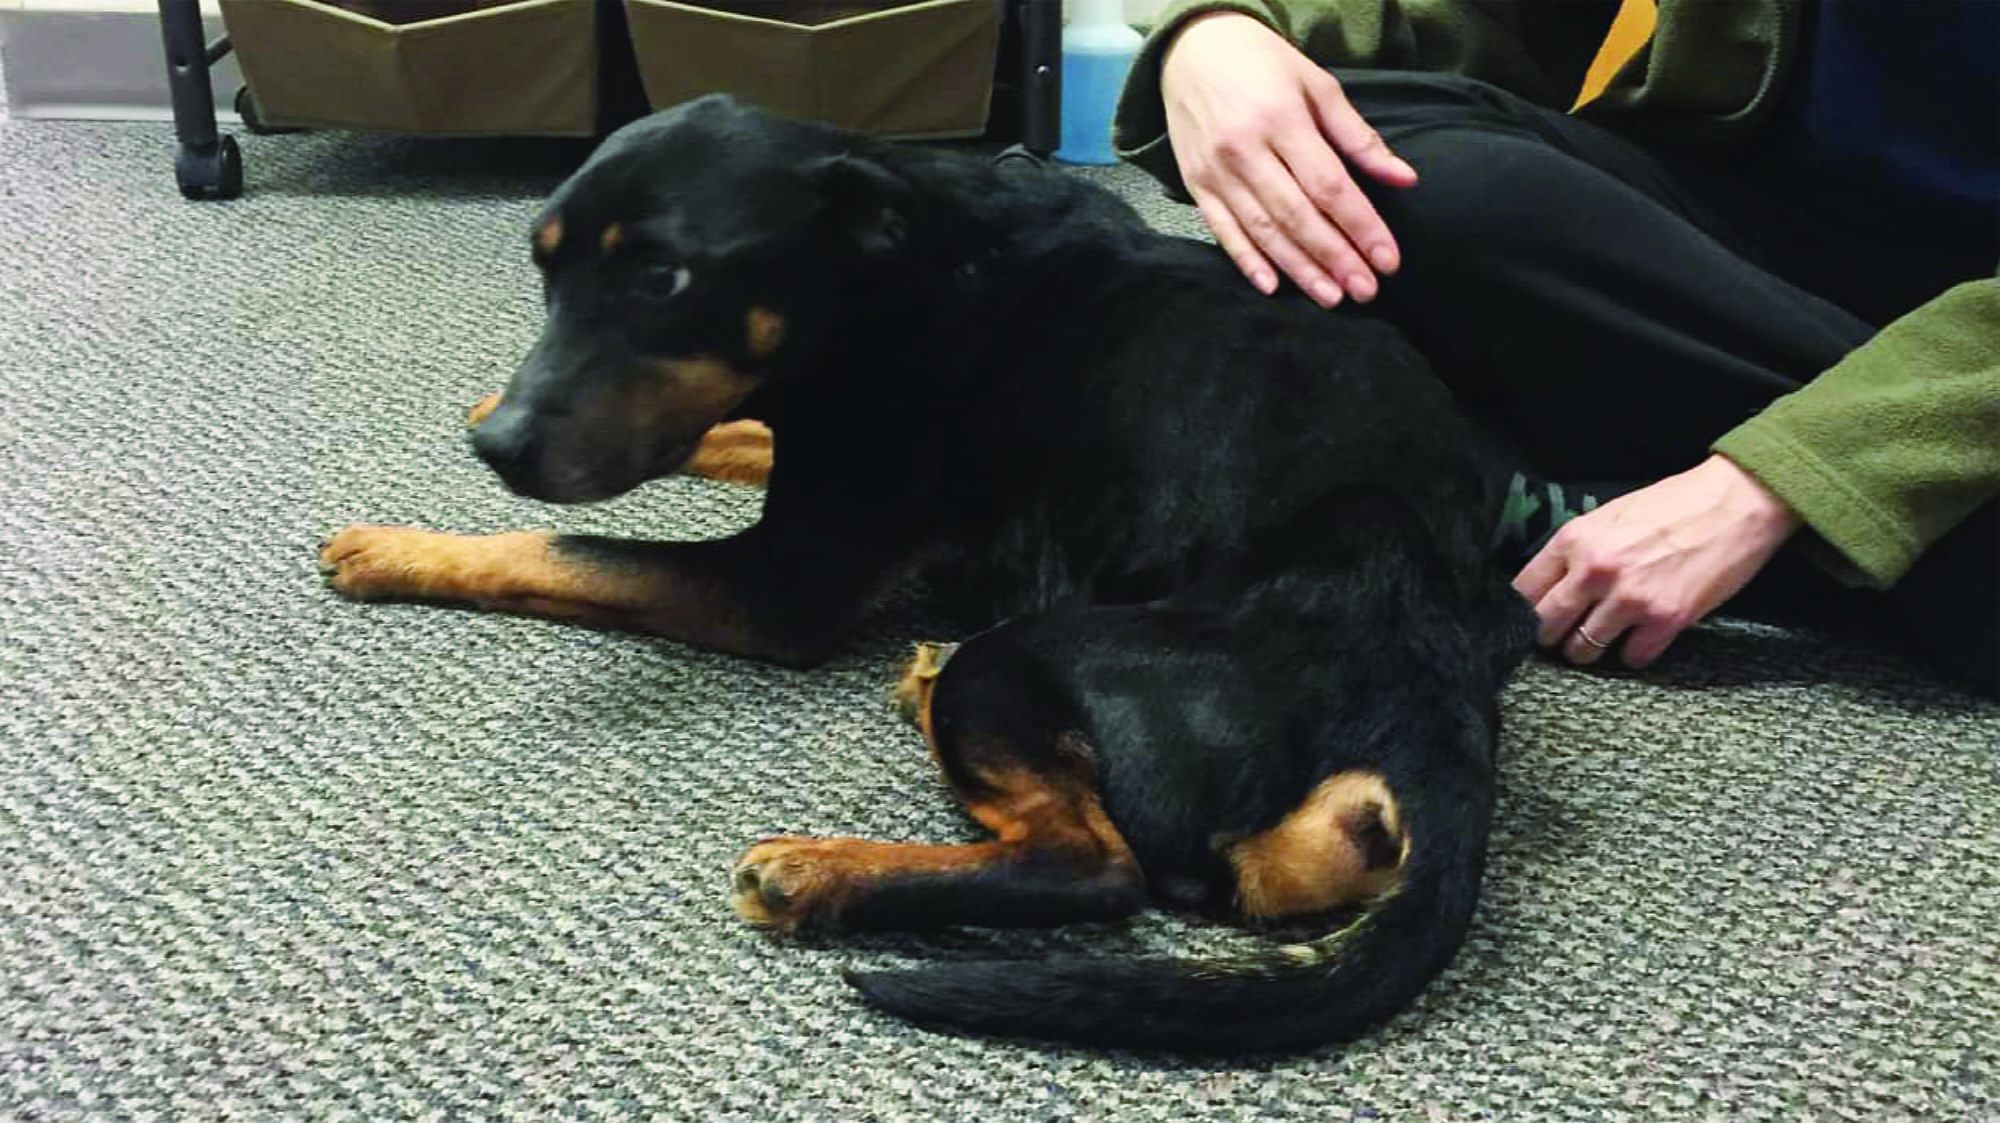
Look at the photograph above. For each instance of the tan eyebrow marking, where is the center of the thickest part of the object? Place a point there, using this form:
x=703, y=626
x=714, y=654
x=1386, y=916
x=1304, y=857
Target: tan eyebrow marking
x=613, y=235
x=766, y=330
x=549, y=237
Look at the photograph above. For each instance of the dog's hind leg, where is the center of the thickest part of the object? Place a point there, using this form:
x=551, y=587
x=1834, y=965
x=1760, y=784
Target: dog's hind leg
x=1055, y=857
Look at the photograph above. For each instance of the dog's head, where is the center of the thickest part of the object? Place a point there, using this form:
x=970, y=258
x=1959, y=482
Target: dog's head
x=689, y=264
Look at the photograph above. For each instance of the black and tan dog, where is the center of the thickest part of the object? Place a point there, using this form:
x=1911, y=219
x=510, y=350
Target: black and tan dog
x=1249, y=641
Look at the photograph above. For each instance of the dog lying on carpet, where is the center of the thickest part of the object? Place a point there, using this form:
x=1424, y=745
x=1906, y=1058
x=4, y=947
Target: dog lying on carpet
x=1244, y=638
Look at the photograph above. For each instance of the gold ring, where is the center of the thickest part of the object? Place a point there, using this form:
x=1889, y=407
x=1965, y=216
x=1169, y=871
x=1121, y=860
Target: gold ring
x=1590, y=639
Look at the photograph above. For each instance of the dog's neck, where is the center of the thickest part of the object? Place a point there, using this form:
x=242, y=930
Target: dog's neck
x=968, y=212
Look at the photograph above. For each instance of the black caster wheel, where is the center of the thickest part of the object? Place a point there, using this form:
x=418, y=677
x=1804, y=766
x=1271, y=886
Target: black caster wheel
x=216, y=174
x=1019, y=156
x=253, y=118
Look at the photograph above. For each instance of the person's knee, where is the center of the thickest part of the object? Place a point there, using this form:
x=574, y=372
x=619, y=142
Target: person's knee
x=1482, y=197
x=1399, y=101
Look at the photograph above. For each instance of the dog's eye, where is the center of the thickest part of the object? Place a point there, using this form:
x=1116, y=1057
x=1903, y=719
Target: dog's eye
x=661, y=279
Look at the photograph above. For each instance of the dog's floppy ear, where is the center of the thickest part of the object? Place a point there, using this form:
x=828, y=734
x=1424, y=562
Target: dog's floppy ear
x=863, y=200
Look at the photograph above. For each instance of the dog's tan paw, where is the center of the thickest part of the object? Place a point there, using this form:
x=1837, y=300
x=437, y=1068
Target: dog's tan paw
x=367, y=562
x=783, y=883
x=738, y=452
x=486, y=405
x=376, y=562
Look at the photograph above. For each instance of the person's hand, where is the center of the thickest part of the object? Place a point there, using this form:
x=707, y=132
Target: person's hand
x=1648, y=565
x=1264, y=140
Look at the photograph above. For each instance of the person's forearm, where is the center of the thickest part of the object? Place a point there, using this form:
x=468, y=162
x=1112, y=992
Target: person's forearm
x=1887, y=451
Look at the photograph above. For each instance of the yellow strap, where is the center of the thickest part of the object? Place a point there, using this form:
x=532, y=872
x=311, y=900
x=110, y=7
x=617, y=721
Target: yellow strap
x=1631, y=29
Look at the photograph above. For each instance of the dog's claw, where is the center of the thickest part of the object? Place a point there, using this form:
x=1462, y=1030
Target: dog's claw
x=344, y=559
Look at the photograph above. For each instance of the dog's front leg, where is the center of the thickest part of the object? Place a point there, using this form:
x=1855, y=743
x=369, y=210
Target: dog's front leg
x=746, y=594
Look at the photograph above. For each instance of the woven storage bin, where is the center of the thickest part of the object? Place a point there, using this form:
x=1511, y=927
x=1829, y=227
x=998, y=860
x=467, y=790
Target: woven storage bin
x=421, y=66
x=901, y=68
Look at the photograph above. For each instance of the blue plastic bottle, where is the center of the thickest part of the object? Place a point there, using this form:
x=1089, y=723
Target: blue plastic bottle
x=1098, y=47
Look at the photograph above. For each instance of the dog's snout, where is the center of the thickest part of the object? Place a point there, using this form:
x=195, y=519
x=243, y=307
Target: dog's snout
x=507, y=442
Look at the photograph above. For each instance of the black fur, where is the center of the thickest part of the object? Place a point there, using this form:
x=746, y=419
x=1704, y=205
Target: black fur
x=1236, y=544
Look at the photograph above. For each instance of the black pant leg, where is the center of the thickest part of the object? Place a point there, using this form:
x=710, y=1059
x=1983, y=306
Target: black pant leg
x=1948, y=604
x=1613, y=310
x=1573, y=290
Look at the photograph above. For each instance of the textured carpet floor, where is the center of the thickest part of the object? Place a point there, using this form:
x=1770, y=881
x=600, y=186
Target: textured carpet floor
x=266, y=854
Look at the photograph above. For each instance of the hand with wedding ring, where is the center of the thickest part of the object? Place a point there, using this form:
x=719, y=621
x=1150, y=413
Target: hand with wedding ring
x=1584, y=634
x=1644, y=567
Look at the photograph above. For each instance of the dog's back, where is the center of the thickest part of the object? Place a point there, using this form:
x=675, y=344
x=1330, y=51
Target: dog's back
x=1125, y=415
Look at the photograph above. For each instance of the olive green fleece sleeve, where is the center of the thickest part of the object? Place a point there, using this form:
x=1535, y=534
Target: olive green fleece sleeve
x=1893, y=446
x=1476, y=38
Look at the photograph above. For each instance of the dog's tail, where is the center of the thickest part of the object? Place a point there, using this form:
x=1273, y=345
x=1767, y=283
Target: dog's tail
x=1294, y=997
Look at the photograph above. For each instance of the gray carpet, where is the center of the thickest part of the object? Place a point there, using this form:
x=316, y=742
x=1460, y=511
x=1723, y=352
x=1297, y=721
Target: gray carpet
x=265, y=854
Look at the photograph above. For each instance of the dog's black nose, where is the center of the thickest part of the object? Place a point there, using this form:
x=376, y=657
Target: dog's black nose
x=506, y=440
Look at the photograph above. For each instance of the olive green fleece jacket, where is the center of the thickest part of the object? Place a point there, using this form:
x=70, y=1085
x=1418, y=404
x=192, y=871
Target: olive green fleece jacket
x=1880, y=455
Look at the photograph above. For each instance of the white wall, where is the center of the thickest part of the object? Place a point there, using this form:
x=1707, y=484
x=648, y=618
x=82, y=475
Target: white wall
x=95, y=59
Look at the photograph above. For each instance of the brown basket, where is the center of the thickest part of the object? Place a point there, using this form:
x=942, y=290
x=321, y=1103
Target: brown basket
x=442, y=67
x=901, y=68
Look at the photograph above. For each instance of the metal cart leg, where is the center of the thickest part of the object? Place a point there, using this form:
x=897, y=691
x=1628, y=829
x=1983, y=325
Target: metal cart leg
x=208, y=165
x=1041, y=75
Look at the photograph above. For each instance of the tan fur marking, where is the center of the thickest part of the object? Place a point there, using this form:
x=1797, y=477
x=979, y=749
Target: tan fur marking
x=613, y=235
x=492, y=570
x=485, y=406
x=1311, y=862
x=701, y=389
x=1066, y=813
x=517, y=572
x=913, y=690
x=532, y=572
x=811, y=875
x=787, y=883
x=738, y=452
x=766, y=330
x=549, y=238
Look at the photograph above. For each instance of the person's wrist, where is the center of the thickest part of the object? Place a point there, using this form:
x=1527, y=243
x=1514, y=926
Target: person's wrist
x=1756, y=503
x=1196, y=22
